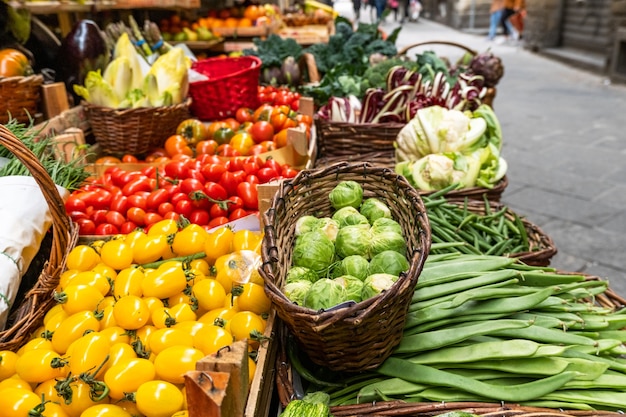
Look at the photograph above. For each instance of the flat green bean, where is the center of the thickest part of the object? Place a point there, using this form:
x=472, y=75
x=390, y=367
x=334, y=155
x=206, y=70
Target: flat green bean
x=586, y=369
x=390, y=387
x=466, y=320
x=439, y=338
x=613, y=364
x=609, y=381
x=538, y=278
x=455, y=287
x=546, y=335
x=500, y=305
x=427, y=375
x=504, y=349
x=446, y=271
x=613, y=399
x=540, y=366
x=432, y=301
x=480, y=294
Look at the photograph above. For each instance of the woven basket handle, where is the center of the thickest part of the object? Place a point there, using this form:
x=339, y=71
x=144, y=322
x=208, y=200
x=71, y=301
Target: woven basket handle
x=60, y=220
x=406, y=49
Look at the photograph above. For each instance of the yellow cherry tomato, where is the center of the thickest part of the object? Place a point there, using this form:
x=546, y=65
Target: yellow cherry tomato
x=7, y=363
x=77, y=298
x=143, y=335
x=247, y=240
x=211, y=339
x=129, y=406
x=15, y=382
x=166, y=337
x=190, y=327
x=105, y=270
x=34, y=343
x=165, y=281
x=106, y=317
x=231, y=301
x=48, y=391
x=105, y=410
x=183, y=413
x=88, y=353
x=150, y=248
x=251, y=369
x=163, y=227
x=134, y=236
x=128, y=376
x=179, y=298
x=200, y=265
x=82, y=399
x=66, y=277
x=93, y=278
x=54, y=409
x=82, y=258
x=17, y=402
x=218, y=243
x=131, y=312
x=39, y=365
x=189, y=241
x=115, y=334
x=209, y=294
x=72, y=328
x=120, y=352
x=158, y=398
x=117, y=254
x=128, y=282
x=247, y=325
x=172, y=363
x=219, y=317
x=252, y=297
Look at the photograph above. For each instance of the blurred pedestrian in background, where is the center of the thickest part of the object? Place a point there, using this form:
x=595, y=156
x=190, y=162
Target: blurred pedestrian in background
x=495, y=16
x=394, y=5
x=356, y=4
x=510, y=8
x=517, y=19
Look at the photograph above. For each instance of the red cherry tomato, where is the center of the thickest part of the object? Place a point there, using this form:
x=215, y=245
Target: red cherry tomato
x=248, y=193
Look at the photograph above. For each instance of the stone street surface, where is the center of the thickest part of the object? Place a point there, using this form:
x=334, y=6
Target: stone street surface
x=565, y=144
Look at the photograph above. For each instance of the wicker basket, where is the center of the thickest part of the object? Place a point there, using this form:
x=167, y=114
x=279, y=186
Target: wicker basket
x=541, y=246
x=19, y=97
x=28, y=315
x=491, y=91
x=350, y=337
x=232, y=83
x=387, y=159
x=134, y=131
x=288, y=387
x=342, y=139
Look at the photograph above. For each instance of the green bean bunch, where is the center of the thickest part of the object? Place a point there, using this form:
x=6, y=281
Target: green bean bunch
x=490, y=329
x=458, y=228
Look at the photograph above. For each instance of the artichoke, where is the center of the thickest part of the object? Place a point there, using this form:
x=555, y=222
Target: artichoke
x=489, y=66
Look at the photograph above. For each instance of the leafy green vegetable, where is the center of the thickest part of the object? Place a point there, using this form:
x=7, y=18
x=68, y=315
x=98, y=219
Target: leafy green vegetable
x=375, y=76
x=273, y=50
x=348, y=216
x=300, y=273
x=346, y=193
x=296, y=291
x=355, y=265
x=377, y=283
x=389, y=262
x=325, y=293
x=353, y=287
x=373, y=209
x=353, y=240
x=69, y=175
x=314, y=250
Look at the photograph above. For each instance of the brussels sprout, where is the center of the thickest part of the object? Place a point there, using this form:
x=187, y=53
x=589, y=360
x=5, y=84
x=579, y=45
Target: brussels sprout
x=387, y=241
x=300, y=273
x=353, y=287
x=329, y=226
x=377, y=283
x=353, y=240
x=349, y=216
x=373, y=209
x=324, y=293
x=314, y=250
x=355, y=265
x=296, y=291
x=306, y=223
x=389, y=262
x=346, y=193
x=386, y=225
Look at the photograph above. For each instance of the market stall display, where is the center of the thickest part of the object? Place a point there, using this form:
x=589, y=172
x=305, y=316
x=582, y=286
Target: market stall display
x=20, y=89
x=28, y=312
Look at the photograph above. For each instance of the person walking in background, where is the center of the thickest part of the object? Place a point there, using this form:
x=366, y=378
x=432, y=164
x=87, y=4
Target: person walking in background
x=393, y=5
x=510, y=8
x=356, y=4
x=380, y=6
x=495, y=16
x=517, y=19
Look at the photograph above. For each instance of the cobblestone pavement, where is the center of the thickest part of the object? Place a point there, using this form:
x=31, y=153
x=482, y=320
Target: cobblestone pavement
x=565, y=145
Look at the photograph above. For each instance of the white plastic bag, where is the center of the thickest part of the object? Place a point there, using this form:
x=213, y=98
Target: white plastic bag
x=24, y=221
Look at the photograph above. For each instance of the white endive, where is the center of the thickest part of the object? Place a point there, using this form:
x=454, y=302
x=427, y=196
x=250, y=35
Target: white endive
x=170, y=71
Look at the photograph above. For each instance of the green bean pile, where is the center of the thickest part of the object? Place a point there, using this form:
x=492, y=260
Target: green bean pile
x=457, y=228
x=489, y=328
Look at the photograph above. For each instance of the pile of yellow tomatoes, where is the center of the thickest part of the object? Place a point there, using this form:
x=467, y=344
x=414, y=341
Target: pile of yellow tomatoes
x=133, y=314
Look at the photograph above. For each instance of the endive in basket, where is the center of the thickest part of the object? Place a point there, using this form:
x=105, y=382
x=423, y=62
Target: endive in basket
x=129, y=81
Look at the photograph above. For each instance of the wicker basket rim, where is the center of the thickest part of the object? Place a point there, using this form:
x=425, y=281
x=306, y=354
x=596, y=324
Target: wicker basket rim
x=256, y=63
x=125, y=111
x=22, y=78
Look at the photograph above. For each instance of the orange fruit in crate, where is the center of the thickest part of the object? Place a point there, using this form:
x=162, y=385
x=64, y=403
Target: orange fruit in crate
x=244, y=22
x=253, y=12
x=231, y=22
